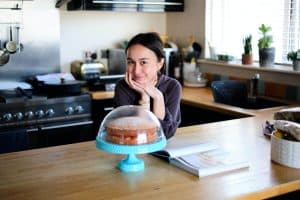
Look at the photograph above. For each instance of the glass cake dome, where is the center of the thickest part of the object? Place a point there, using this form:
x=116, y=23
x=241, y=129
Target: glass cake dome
x=130, y=130
x=130, y=125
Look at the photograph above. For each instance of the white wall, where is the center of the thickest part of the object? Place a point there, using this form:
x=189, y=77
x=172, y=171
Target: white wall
x=94, y=30
x=39, y=33
x=191, y=22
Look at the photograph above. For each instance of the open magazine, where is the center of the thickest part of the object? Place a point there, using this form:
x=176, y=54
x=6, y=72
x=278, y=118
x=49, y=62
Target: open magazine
x=202, y=159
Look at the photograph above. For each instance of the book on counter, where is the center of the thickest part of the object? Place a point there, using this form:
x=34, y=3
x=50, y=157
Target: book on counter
x=202, y=159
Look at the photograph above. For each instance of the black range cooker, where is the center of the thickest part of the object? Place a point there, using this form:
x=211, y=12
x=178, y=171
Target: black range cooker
x=32, y=118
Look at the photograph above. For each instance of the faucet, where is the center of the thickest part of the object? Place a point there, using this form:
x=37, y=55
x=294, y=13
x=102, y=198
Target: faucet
x=254, y=85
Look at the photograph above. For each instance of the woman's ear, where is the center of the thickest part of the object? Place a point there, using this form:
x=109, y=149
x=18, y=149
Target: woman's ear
x=161, y=64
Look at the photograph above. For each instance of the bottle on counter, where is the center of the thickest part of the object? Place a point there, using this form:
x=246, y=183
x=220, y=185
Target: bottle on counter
x=176, y=66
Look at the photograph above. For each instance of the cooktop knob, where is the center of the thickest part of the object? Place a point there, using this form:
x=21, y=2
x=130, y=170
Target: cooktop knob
x=69, y=110
x=29, y=115
x=19, y=116
x=79, y=109
x=50, y=112
x=39, y=114
x=7, y=117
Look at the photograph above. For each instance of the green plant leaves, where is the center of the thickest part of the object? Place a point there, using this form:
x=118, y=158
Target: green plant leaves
x=266, y=40
x=247, y=44
x=294, y=55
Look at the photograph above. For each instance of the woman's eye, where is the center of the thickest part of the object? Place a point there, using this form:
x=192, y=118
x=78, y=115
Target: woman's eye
x=129, y=62
x=143, y=62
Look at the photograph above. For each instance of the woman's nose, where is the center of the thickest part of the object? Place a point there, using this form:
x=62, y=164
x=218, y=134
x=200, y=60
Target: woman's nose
x=137, y=69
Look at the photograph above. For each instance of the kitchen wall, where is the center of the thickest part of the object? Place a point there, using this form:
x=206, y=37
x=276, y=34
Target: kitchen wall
x=39, y=33
x=73, y=32
x=94, y=30
x=191, y=22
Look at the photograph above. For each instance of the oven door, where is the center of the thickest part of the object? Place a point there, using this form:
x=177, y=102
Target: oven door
x=13, y=140
x=59, y=134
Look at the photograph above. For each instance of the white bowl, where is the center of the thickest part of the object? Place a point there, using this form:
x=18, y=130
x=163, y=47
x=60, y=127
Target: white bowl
x=285, y=152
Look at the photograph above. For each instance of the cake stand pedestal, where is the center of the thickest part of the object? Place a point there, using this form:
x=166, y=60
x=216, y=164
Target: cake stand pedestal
x=131, y=163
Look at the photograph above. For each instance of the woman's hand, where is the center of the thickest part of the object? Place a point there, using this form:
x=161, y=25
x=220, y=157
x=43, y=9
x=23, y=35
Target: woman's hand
x=133, y=84
x=144, y=89
x=148, y=91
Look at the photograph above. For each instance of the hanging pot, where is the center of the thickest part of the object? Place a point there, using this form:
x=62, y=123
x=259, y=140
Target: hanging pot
x=4, y=55
x=11, y=45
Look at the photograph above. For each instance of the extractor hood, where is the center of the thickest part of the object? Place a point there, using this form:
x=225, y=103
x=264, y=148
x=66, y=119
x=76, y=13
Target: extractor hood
x=125, y=5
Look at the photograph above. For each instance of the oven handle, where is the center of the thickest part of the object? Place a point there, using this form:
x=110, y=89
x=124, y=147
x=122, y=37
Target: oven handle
x=66, y=125
x=60, y=126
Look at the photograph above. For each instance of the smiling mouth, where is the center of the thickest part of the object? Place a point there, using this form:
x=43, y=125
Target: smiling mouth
x=138, y=79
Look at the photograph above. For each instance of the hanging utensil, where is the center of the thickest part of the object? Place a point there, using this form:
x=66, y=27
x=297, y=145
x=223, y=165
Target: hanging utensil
x=11, y=45
x=19, y=44
x=4, y=55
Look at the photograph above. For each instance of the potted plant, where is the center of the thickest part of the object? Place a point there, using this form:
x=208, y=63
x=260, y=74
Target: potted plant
x=295, y=57
x=247, y=57
x=266, y=52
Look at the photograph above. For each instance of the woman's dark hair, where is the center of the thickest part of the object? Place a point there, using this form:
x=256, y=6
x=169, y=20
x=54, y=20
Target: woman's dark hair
x=151, y=41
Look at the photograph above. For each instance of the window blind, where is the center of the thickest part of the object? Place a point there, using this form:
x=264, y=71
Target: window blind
x=229, y=21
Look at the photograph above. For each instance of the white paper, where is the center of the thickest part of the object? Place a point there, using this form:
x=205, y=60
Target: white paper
x=184, y=150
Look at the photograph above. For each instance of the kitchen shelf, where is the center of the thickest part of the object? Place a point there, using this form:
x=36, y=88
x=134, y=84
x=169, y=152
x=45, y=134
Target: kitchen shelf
x=11, y=23
x=282, y=74
x=18, y=3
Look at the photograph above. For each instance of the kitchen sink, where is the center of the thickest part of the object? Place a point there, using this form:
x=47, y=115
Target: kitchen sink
x=261, y=103
x=235, y=93
x=193, y=115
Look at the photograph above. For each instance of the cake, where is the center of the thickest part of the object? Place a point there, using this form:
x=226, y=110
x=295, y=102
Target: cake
x=131, y=131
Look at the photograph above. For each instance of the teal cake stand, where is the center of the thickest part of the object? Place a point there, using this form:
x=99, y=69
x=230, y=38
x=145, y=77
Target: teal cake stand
x=131, y=163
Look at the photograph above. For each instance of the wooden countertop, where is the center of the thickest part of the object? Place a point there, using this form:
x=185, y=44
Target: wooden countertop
x=202, y=97
x=81, y=171
x=102, y=95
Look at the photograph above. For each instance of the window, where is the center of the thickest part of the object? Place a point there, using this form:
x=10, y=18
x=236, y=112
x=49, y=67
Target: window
x=229, y=21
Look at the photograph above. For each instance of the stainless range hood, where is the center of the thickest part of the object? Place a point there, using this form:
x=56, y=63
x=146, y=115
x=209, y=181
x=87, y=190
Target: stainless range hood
x=125, y=5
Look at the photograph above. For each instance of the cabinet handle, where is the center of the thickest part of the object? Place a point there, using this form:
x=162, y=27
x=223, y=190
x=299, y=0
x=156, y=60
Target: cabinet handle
x=32, y=130
x=108, y=108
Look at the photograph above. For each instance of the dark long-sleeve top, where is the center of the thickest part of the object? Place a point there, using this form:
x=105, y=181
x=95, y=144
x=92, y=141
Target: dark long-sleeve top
x=171, y=90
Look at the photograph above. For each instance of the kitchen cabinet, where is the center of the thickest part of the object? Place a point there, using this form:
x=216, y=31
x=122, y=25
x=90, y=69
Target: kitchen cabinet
x=190, y=115
x=26, y=138
x=126, y=5
x=100, y=108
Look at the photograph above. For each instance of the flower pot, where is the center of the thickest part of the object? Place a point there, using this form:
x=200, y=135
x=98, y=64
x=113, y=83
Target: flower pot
x=247, y=59
x=266, y=57
x=296, y=65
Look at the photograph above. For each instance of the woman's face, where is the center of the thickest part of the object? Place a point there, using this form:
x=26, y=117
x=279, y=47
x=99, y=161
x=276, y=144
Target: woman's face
x=142, y=64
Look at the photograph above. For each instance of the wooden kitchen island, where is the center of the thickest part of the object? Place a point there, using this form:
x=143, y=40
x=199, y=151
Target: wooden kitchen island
x=81, y=171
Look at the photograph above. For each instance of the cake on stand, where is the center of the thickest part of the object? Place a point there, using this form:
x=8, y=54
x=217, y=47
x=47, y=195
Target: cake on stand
x=130, y=130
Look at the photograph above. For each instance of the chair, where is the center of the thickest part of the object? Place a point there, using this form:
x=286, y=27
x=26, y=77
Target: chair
x=231, y=92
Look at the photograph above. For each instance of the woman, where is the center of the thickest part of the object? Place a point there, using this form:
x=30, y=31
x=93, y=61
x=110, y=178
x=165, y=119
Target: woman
x=145, y=85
